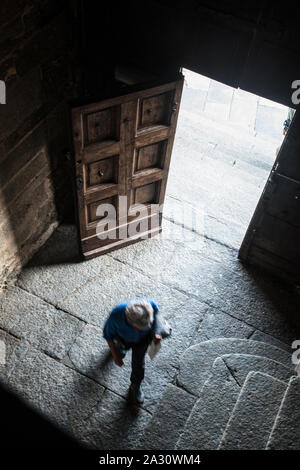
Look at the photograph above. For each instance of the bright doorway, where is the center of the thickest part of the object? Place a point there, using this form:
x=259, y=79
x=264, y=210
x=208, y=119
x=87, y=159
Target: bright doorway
x=225, y=146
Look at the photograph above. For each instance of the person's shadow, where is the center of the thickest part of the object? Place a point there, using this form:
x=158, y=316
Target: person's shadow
x=124, y=410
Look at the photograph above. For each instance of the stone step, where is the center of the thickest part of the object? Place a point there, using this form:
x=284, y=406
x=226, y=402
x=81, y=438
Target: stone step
x=241, y=364
x=285, y=434
x=261, y=336
x=205, y=426
x=167, y=422
x=210, y=414
x=253, y=416
x=200, y=357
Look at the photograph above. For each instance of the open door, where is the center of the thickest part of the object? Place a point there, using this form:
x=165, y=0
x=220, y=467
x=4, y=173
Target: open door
x=272, y=240
x=122, y=151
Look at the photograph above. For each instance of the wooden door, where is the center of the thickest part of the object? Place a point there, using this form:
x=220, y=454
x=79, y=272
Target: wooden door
x=272, y=240
x=122, y=149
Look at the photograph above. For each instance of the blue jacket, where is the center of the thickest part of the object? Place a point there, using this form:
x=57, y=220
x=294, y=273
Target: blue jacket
x=116, y=324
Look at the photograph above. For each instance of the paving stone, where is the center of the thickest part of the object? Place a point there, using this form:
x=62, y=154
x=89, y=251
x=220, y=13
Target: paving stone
x=222, y=145
x=230, y=234
x=256, y=156
x=212, y=156
x=61, y=394
x=253, y=170
x=62, y=247
x=91, y=356
x=149, y=255
x=187, y=137
x=9, y=351
x=219, y=324
x=260, y=336
x=195, y=81
x=56, y=270
x=243, y=109
x=157, y=376
x=285, y=434
x=269, y=120
x=201, y=356
x=193, y=241
x=254, y=413
x=241, y=365
x=182, y=238
x=195, y=100
x=219, y=93
x=260, y=302
x=45, y=327
x=202, y=195
x=186, y=222
x=118, y=283
x=222, y=110
x=166, y=424
x=115, y=424
x=209, y=416
x=184, y=320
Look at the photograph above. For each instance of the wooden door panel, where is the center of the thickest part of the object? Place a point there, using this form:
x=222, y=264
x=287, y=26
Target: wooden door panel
x=93, y=194
x=96, y=247
x=150, y=156
x=279, y=237
x=288, y=160
x=146, y=176
x=272, y=238
x=150, y=225
x=102, y=126
x=93, y=206
x=147, y=194
x=155, y=110
x=273, y=263
x=94, y=153
x=103, y=171
x=123, y=148
x=153, y=134
x=283, y=199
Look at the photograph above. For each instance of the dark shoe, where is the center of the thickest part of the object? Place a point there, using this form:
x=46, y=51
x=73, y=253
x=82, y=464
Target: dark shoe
x=137, y=393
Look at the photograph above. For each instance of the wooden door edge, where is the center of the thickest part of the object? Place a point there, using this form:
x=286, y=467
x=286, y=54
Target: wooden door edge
x=120, y=244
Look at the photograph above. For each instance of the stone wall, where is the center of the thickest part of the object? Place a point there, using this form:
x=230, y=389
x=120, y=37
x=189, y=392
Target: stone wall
x=250, y=44
x=37, y=56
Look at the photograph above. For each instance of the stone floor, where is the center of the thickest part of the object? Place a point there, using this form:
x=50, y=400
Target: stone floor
x=51, y=323
x=51, y=320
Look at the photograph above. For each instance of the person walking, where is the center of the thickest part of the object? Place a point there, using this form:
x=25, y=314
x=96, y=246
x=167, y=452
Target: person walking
x=134, y=324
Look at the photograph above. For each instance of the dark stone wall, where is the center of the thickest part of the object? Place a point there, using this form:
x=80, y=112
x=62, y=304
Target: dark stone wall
x=251, y=44
x=38, y=41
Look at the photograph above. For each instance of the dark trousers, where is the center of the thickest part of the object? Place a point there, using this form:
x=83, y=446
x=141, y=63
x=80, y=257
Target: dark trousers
x=138, y=357
x=139, y=349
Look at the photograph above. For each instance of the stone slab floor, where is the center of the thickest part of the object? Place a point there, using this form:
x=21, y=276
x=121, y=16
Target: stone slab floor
x=51, y=321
